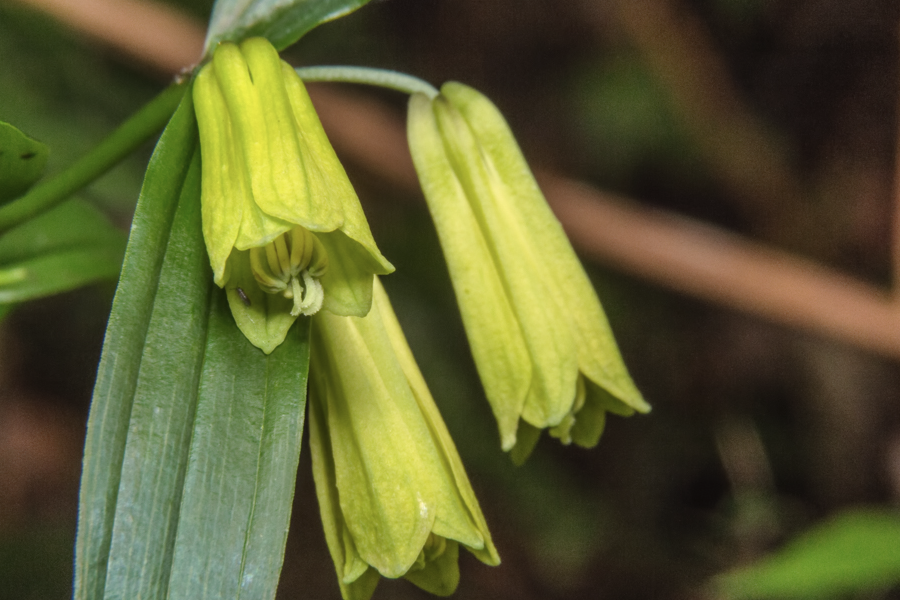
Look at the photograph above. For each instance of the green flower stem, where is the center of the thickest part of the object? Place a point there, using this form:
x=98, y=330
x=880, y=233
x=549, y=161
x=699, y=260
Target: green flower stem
x=378, y=77
x=131, y=134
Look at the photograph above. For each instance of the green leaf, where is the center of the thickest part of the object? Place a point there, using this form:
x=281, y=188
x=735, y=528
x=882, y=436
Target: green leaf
x=121, y=361
x=22, y=162
x=69, y=246
x=244, y=453
x=858, y=550
x=194, y=434
x=162, y=413
x=282, y=22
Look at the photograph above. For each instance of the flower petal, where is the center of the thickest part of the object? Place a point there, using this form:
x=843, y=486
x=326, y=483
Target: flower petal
x=399, y=484
x=328, y=181
x=528, y=280
x=348, y=280
x=440, y=576
x=382, y=466
x=224, y=180
x=265, y=146
x=469, y=527
x=356, y=583
x=491, y=325
x=263, y=318
x=598, y=355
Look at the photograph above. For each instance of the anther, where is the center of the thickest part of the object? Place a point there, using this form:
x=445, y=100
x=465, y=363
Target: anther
x=290, y=265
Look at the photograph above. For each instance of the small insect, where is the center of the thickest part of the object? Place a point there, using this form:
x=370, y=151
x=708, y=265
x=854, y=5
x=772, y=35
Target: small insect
x=243, y=296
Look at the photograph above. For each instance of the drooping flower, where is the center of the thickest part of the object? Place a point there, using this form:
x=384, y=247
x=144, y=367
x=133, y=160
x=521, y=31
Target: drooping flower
x=283, y=227
x=540, y=339
x=394, y=497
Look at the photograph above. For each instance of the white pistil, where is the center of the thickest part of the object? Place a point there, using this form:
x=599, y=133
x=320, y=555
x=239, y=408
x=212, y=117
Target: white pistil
x=312, y=302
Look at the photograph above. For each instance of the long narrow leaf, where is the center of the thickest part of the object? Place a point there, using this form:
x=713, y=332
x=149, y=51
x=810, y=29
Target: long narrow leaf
x=59, y=272
x=119, y=365
x=159, y=431
x=244, y=454
x=73, y=224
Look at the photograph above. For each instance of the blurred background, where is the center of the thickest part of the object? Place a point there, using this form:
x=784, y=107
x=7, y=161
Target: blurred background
x=769, y=119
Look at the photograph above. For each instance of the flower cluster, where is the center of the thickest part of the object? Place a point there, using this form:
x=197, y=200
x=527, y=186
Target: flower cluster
x=287, y=239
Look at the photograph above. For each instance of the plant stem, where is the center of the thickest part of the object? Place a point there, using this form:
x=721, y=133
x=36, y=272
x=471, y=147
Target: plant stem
x=365, y=75
x=126, y=138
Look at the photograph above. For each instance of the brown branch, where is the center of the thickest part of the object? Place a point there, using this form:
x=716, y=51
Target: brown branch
x=724, y=268
x=664, y=248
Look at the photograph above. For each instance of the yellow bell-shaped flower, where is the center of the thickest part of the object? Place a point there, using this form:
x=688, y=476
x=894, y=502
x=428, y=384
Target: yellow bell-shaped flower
x=284, y=229
x=542, y=344
x=394, y=497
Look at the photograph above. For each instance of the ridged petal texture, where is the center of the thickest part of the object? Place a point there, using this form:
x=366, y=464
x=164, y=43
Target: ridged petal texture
x=267, y=167
x=539, y=337
x=393, y=494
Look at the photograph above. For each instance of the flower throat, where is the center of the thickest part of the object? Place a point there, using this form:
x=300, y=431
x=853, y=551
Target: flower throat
x=291, y=265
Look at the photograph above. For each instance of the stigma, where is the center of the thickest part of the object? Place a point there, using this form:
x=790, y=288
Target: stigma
x=291, y=265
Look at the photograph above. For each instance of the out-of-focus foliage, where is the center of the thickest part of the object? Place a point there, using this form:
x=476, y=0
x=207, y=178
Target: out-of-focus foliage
x=68, y=97
x=60, y=250
x=22, y=161
x=855, y=551
x=628, y=120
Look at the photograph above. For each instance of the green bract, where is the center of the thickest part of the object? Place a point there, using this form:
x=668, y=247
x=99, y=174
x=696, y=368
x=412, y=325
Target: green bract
x=284, y=229
x=393, y=494
x=541, y=342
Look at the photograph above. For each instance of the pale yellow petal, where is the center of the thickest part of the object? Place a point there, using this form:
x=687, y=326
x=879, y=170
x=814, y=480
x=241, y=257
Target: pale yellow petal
x=469, y=527
x=382, y=468
x=264, y=319
x=492, y=328
x=527, y=280
x=355, y=583
x=224, y=184
x=598, y=355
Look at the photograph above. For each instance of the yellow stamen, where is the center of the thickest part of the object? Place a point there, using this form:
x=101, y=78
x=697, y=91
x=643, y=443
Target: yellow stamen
x=284, y=255
x=292, y=264
x=263, y=275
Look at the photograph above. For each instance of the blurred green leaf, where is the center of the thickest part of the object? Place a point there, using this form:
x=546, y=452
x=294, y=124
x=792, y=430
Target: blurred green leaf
x=283, y=22
x=858, y=550
x=22, y=161
x=140, y=127
x=67, y=247
x=626, y=118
